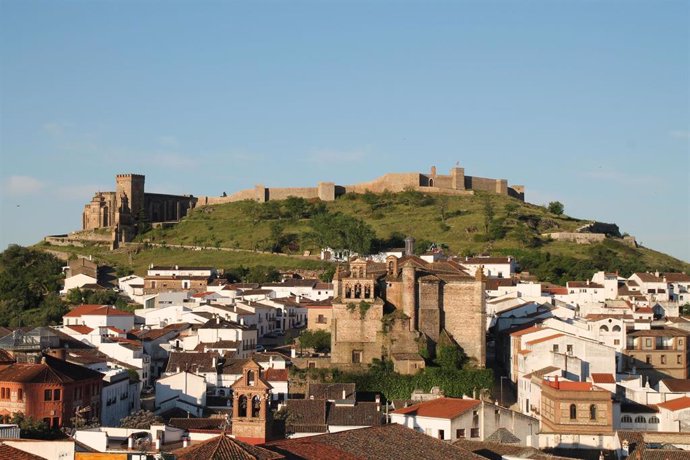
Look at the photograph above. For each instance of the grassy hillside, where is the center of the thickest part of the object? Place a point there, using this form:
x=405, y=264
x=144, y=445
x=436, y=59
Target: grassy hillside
x=465, y=225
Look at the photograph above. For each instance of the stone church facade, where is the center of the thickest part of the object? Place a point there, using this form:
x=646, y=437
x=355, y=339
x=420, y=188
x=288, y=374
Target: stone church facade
x=404, y=307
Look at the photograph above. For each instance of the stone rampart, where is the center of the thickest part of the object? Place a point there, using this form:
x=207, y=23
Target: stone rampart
x=579, y=238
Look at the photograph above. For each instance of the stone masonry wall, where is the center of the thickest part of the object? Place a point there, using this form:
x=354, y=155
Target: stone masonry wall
x=465, y=316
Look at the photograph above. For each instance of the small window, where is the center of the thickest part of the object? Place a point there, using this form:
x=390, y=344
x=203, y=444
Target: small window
x=648, y=359
x=648, y=343
x=356, y=356
x=20, y=395
x=663, y=359
x=653, y=419
x=626, y=419
x=616, y=341
x=460, y=433
x=569, y=349
x=573, y=412
x=555, y=348
x=616, y=328
x=640, y=419
x=441, y=434
x=56, y=395
x=679, y=359
x=604, y=328
x=593, y=412
x=48, y=396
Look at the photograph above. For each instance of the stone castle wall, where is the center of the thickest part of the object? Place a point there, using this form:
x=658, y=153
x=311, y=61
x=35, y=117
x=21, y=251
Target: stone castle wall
x=456, y=183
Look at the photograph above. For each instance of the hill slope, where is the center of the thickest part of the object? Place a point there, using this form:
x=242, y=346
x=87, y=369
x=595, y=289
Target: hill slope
x=465, y=225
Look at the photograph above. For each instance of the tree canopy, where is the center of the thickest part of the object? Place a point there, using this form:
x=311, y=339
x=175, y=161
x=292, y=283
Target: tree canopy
x=29, y=285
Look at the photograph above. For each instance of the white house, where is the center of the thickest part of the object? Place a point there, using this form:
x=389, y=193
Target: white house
x=119, y=398
x=185, y=391
x=95, y=316
x=454, y=418
x=498, y=267
x=179, y=271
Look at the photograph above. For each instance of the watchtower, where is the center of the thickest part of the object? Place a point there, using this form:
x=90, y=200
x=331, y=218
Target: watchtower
x=130, y=187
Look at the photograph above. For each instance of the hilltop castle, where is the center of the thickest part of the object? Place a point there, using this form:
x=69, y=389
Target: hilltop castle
x=130, y=205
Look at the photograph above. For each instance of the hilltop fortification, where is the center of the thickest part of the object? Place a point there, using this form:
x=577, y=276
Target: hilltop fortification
x=129, y=205
x=455, y=183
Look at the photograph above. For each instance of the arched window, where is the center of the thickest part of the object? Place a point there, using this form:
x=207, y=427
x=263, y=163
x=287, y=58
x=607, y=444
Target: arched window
x=616, y=328
x=604, y=328
x=256, y=406
x=640, y=419
x=653, y=419
x=250, y=377
x=358, y=291
x=431, y=182
x=573, y=412
x=626, y=419
x=593, y=412
x=242, y=406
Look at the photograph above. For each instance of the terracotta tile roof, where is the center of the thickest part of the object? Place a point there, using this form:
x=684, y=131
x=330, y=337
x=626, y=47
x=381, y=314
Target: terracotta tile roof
x=677, y=277
x=675, y=404
x=224, y=447
x=447, y=408
x=192, y=362
x=649, y=278
x=528, y=330
x=544, y=339
x=185, y=423
x=498, y=451
x=542, y=372
x=330, y=391
x=9, y=452
x=359, y=414
x=524, y=352
x=583, y=284
x=644, y=310
x=100, y=310
x=115, y=329
x=603, y=378
x=81, y=329
x=373, y=443
x=556, y=290
x=293, y=283
x=662, y=332
x=49, y=370
x=276, y=375
x=567, y=385
x=307, y=415
x=677, y=385
x=202, y=294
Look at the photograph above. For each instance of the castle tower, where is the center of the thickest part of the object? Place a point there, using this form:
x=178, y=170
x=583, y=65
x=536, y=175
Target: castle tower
x=131, y=187
x=250, y=397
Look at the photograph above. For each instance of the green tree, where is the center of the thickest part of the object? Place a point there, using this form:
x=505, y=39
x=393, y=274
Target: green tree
x=29, y=283
x=556, y=207
x=319, y=341
x=489, y=213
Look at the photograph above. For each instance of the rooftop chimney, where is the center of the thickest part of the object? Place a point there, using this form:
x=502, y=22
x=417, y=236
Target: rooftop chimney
x=409, y=246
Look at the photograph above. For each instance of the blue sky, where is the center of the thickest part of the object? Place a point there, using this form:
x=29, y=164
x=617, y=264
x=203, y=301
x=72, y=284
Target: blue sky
x=586, y=102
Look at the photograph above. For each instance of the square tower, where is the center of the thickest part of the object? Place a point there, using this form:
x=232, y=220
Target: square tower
x=130, y=187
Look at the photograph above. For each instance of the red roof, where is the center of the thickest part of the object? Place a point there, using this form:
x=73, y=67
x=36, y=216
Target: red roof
x=203, y=294
x=676, y=404
x=80, y=328
x=447, y=408
x=544, y=339
x=526, y=331
x=276, y=375
x=99, y=310
x=115, y=329
x=644, y=310
x=603, y=378
x=568, y=385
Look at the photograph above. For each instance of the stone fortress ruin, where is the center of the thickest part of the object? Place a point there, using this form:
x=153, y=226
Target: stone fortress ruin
x=129, y=205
